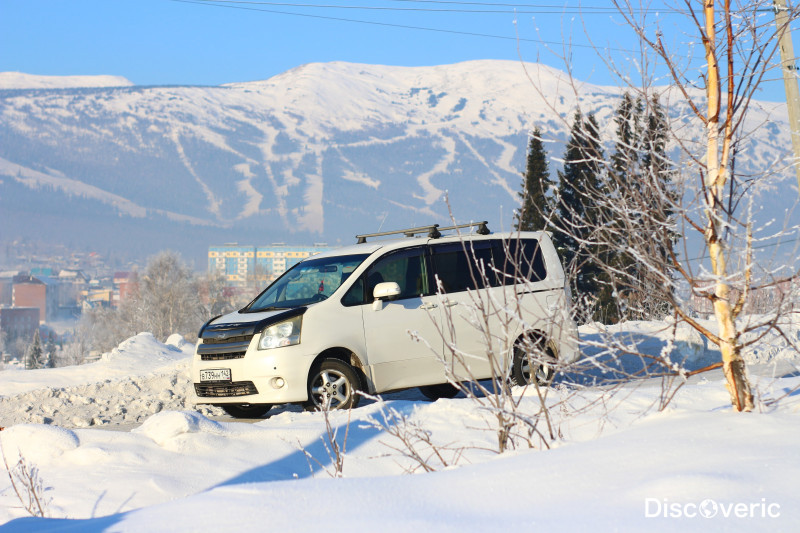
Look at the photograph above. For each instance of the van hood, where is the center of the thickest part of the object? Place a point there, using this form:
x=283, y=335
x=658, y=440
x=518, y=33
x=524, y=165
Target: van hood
x=239, y=324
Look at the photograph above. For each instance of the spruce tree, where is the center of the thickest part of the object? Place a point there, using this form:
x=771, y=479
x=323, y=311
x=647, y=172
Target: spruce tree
x=626, y=157
x=51, y=351
x=627, y=187
x=34, y=355
x=641, y=186
x=660, y=199
x=536, y=183
x=579, y=218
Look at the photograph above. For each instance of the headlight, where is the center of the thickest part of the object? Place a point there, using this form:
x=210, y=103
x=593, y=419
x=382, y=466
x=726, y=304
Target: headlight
x=281, y=334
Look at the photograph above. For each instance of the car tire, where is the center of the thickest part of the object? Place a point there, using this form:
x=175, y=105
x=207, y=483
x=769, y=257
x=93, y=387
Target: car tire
x=443, y=390
x=544, y=371
x=335, y=381
x=246, y=410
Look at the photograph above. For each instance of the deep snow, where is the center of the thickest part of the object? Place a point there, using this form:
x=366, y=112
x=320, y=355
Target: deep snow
x=616, y=460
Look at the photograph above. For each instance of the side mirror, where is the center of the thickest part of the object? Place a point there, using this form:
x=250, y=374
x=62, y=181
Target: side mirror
x=384, y=291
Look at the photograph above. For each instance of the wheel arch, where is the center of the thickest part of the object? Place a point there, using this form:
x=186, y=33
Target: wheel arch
x=347, y=356
x=538, y=335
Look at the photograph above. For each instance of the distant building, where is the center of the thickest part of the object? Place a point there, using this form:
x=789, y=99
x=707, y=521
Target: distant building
x=29, y=291
x=19, y=322
x=6, y=283
x=71, y=283
x=97, y=294
x=257, y=265
x=125, y=284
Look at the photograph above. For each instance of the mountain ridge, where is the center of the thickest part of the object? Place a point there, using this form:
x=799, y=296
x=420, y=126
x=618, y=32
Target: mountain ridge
x=318, y=153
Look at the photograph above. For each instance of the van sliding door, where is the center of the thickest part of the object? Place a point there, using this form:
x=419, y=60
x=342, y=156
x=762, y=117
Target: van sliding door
x=463, y=271
x=404, y=345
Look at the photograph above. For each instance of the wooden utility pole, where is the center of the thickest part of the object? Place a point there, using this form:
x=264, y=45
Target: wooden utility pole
x=790, y=71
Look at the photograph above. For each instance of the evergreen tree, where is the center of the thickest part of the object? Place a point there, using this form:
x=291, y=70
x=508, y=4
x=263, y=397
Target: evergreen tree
x=626, y=156
x=536, y=183
x=34, y=355
x=51, y=351
x=641, y=186
x=661, y=197
x=579, y=219
x=627, y=185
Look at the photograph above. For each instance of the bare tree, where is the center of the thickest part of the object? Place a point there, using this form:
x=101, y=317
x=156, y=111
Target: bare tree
x=738, y=47
x=167, y=299
x=27, y=484
x=78, y=347
x=708, y=102
x=217, y=298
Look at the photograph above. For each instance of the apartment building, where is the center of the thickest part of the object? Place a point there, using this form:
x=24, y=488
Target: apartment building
x=244, y=265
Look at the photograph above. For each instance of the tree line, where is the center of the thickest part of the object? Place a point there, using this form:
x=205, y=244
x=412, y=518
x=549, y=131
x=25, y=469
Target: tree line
x=612, y=218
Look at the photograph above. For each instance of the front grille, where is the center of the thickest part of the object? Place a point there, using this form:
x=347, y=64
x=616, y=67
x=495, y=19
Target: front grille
x=219, y=390
x=221, y=356
x=234, y=348
x=238, y=338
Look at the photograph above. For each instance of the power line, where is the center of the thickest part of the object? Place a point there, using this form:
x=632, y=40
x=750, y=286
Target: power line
x=263, y=6
x=229, y=4
x=492, y=4
x=523, y=9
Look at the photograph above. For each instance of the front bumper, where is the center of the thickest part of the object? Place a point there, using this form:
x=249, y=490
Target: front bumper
x=275, y=376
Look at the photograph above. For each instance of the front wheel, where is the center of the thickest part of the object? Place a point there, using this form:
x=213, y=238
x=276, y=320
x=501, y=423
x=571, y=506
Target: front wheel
x=246, y=410
x=333, y=384
x=537, y=361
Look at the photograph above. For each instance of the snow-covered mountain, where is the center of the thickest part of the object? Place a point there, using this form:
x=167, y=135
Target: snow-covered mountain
x=21, y=80
x=318, y=153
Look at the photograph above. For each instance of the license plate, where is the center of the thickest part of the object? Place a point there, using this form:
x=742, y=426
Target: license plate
x=216, y=374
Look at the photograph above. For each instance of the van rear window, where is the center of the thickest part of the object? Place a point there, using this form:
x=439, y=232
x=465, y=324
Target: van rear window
x=477, y=264
x=520, y=259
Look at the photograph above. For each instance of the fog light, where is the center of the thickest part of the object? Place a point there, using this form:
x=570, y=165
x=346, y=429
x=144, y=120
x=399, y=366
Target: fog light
x=278, y=383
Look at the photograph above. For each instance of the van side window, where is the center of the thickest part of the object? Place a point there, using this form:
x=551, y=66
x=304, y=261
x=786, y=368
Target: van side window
x=463, y=266
x=519, y=259
x=405, y=267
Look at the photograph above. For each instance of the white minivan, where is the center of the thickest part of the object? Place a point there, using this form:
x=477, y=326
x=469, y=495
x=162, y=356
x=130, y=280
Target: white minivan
x=426, y=311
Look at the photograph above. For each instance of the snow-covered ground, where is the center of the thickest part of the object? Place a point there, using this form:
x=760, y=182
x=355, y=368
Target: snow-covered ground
x=618, y=461
x=135, y=380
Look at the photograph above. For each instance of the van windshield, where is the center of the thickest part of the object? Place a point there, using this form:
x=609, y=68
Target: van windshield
x=309, y=281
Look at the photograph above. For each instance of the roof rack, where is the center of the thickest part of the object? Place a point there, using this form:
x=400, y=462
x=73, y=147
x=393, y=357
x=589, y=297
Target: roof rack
x=433, y=231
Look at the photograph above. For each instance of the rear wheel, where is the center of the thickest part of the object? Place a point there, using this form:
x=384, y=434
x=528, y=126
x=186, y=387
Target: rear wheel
x=536, y=360
x=443, y=390
x=246, y=410
x=333, y=384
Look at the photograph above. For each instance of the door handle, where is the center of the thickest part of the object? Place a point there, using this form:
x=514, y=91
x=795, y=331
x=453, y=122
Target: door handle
x=428, y=306
x=450, y=304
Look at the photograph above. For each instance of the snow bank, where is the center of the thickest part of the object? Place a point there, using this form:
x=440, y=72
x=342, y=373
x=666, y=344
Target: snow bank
x=583, y=487
x=36, y=443
x=684, y=346
x=616, y=451
x=139, y=378
x=182, y=472
x=139, y=355
x=164, y=427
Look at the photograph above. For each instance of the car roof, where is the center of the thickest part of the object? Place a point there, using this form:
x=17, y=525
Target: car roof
x=405, y=242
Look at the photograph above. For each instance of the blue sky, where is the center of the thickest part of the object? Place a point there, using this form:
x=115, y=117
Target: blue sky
x=162, y=42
